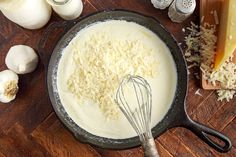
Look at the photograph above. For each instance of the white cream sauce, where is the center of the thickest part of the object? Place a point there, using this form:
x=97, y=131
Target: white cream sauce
x=88, y=116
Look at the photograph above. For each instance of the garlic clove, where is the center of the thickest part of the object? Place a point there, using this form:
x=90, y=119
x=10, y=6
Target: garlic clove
x=21, y=59
x=8, y=86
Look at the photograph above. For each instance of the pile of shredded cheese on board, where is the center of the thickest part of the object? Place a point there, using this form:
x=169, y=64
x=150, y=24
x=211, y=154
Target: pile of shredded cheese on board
x=101, y=65
x=201, y=46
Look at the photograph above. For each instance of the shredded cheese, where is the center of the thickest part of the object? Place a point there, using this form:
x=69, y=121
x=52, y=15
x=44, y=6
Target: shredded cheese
x=101, y=65
x=216, y=18
x=192, y=65
x=198, y=92
x=192, y=41
x=202, y=39
x=202, y=19
x=225, y=94
x=226, y=75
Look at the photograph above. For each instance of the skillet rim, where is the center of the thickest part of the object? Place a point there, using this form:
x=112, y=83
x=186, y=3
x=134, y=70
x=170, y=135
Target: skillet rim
x=171, y=119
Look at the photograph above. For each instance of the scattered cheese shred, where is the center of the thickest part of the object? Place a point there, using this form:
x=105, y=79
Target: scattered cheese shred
x=198, y=92
x=101, y=65
x=202, y=19
x=216, y=18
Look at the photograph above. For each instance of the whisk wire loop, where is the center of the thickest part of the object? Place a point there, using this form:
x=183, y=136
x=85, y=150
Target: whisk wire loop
x=141, y=105
x=125, y=108
x=139, y=117
x=138, y=111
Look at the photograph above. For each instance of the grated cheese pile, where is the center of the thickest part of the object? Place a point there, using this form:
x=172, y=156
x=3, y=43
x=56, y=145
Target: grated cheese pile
x=102, y=62
x=201, y=46
x=226, y=75
x=225, y=94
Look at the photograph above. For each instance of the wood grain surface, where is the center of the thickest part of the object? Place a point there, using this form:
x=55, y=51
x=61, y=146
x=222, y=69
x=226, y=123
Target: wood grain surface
x=30, y=128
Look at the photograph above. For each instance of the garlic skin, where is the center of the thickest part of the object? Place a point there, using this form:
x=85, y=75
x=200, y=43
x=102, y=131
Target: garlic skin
x=8, y=86
x=21, y=59
x=161, y=4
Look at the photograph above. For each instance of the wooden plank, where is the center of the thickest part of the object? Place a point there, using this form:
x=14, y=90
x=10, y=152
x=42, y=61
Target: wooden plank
x=135, y=152
x=116, y=153
x=26, y=143
x=28, y=95
x=206, y=8
x=7, y=27
x=193, y=100
x=42, y=109
x=8, y=147
x=223, y=116
x=174, y=145
x=89, y=8
x=198, y=147
x=2, y=38
x=2, y=155
x=59, y=142
x=161, y=150
x=230, y=131
x=26, y=115
x=231, y=153
x=138, y=153
x=209, y=107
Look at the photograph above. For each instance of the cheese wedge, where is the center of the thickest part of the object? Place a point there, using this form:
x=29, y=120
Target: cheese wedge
x=226, y=43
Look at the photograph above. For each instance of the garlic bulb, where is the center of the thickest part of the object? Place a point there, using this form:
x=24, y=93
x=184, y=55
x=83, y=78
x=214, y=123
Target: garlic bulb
x=161, y=4
x=8, y=86
x=21, y=59
x=30, y=14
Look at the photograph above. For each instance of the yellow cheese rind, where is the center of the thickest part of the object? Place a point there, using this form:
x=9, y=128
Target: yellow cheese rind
x=227, y=34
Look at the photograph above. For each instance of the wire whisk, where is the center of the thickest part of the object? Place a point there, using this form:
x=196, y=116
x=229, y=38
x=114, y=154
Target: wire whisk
x=134, y=98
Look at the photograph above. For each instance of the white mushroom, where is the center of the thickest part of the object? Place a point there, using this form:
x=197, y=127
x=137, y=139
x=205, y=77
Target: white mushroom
x=8, y=86
x=21, y=59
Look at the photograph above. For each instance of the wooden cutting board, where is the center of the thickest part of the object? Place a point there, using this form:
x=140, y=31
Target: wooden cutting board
x=206, y=10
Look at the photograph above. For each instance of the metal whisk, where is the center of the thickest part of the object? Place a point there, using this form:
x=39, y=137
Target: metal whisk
x=134, y=98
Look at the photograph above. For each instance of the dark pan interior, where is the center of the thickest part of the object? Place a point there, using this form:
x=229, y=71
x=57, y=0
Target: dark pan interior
x=176, y=112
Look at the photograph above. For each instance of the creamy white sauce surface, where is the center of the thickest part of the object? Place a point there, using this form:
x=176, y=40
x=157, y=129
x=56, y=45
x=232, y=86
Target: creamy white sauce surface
x=89, y=116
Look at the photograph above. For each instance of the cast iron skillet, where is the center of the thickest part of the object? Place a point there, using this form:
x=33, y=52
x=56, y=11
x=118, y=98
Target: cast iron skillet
x=176, y=116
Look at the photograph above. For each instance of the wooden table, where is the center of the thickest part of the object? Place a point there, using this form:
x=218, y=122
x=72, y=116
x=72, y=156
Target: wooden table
x=29, y=126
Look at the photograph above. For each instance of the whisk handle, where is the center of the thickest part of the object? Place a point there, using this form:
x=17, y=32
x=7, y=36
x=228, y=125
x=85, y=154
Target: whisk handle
x=150, y=149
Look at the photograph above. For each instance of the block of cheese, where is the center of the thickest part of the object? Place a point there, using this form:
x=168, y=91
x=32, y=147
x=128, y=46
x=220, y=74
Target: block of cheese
x=226, y=43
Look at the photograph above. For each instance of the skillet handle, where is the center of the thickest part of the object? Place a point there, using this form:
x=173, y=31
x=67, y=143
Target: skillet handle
x=205, y=133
